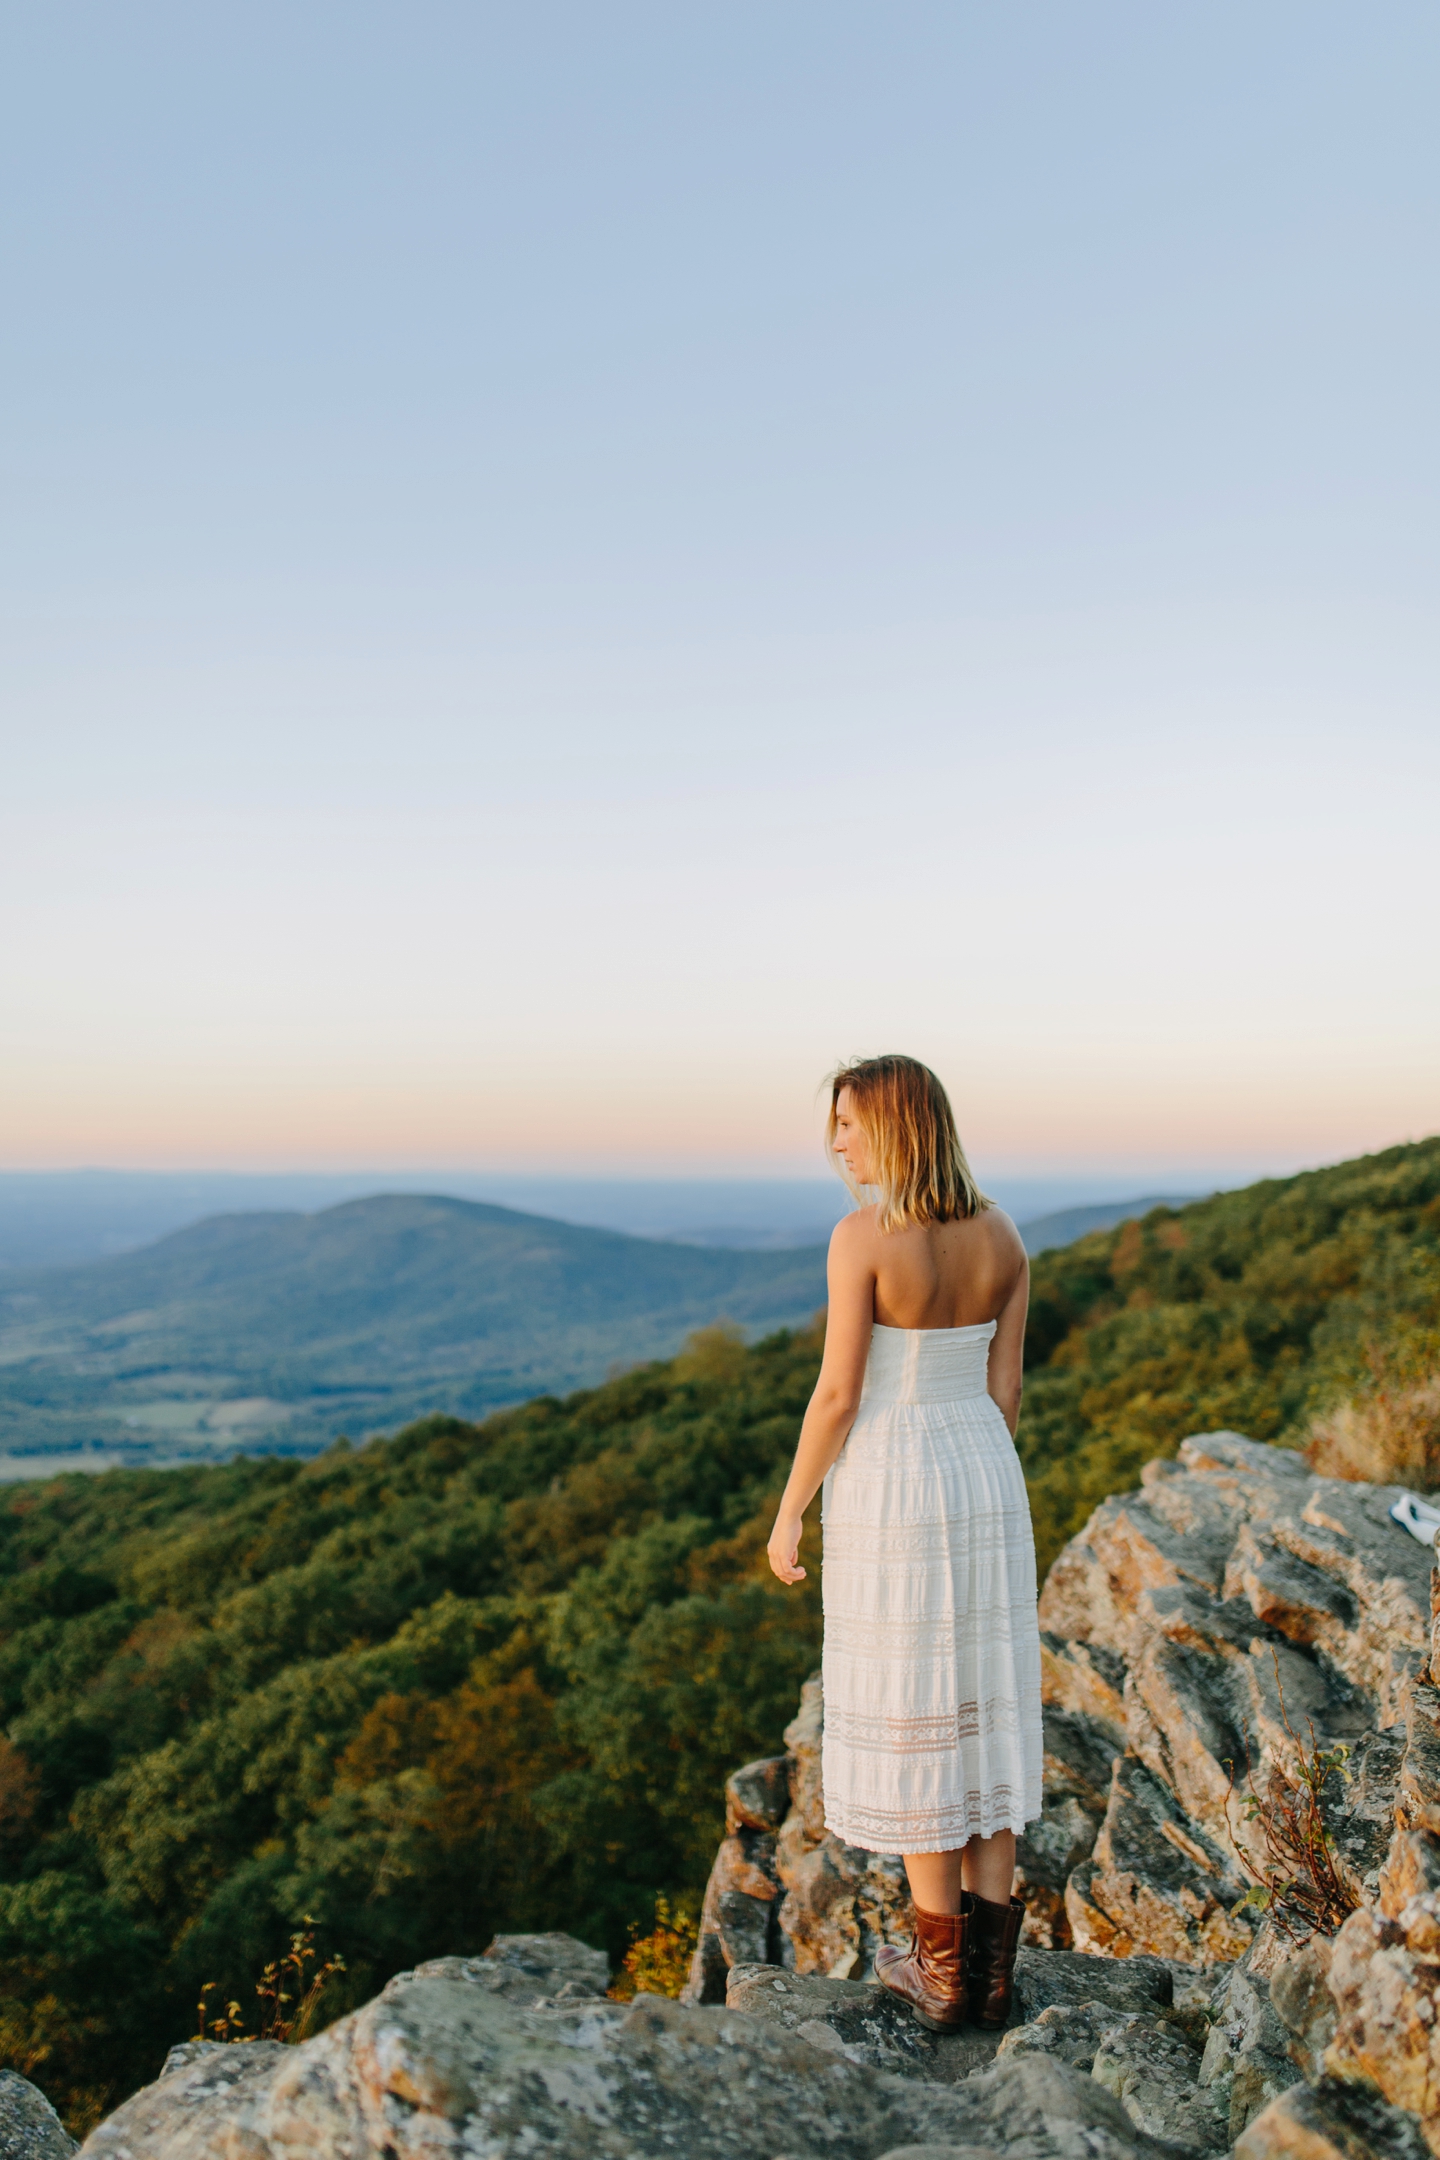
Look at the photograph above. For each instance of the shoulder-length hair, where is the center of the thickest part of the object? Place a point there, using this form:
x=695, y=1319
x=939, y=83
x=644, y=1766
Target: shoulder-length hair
x=920, y=1171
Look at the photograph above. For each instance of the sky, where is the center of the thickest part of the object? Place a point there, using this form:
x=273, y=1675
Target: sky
x=565, y=568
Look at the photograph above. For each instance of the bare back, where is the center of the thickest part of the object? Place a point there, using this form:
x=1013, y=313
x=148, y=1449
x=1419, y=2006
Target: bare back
x=945, y=1275
x=933, y=1275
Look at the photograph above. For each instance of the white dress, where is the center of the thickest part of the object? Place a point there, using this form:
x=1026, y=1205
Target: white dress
x=932, y=1646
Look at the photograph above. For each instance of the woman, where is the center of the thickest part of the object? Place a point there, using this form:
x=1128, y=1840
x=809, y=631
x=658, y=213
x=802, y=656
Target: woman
x=932, y=1649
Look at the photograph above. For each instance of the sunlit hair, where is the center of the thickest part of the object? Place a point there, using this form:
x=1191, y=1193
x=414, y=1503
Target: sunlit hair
x=920, y=1171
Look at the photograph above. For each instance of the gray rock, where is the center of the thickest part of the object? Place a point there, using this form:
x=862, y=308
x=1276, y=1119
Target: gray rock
x=443, y=2063
x=1247, y=2061
x=739, y=1913
x=943, y=2152
x=864, y=2023
x=1177, y=1617
x=1033, y=2106
x=1152, y=2068
x=214, y=2096
x=1199, y=1989
x=1043, y=1977
x=743, y=1925
x=1300, y=1996
x=186, y=2052
x=757, y=1796
x=1158, y=1880
x=1070, y=2032
x=1417, y=1799
x=1080, y=1751
x=538, y=1968
x=30, y=2129
x=709, y=1972
x=1360, y=1807
x=1058, y=1842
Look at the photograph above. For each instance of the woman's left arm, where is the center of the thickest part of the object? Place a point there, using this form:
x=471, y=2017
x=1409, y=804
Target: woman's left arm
x=1005, y=1379
x=832, y=1408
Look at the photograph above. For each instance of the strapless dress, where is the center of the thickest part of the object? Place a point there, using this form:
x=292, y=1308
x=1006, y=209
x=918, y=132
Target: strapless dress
x=932, y=1647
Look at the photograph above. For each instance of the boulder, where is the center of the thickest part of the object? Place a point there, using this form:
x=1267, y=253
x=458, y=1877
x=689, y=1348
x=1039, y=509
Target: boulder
x=544, y=1968
x=1157, y=1882
x=30, y=2129
x=1070, y=2032
x=757, y=1796
x=862, y=2023
x=1234, y=1602
x=1332, y=2121
x=1047, y=1977
x=450, y=2060
x=1152, y=2066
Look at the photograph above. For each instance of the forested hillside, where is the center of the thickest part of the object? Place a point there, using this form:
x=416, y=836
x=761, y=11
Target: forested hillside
x=1255, y=1310
x=286, y=1329
x=480, y=1677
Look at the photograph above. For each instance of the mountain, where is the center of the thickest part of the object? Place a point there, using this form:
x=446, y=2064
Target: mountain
x=1047, y=1232
x=284, y=1329
x=68, y=1218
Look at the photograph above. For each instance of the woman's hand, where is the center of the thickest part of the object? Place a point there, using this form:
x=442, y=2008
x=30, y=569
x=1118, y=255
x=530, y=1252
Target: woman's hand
x=784, y=1547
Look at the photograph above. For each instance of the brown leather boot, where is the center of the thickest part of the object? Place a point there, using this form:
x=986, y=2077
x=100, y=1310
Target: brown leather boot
x=993, y=1937
x=930, y=1976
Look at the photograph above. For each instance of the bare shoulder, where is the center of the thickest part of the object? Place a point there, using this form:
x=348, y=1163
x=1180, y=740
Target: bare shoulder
x=855, y=1228
x=1003, y=1238
x=854, y=1236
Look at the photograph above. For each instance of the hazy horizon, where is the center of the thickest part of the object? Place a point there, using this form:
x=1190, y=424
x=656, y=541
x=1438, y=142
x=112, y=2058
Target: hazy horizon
x=67, y=1217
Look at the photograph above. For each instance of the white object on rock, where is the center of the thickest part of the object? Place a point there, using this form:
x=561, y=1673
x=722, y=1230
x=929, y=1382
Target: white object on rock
x=1417, y=1516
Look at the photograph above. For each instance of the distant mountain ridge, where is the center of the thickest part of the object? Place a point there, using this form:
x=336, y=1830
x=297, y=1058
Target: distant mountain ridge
x=284, y=1329
x=276, y=1329
x=68, y=1218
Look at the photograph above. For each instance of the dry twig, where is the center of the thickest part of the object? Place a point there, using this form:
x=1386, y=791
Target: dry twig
x=1299, y=1883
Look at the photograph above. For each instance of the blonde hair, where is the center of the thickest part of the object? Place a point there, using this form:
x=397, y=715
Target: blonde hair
x=919, y=1166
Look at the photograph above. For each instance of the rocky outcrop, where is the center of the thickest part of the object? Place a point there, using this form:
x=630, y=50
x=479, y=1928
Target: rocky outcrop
x=516, y=2054
x=1193, y=1633
x=1234, y=1602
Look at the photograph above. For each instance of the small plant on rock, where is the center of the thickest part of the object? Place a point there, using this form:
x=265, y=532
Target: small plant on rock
x=658, y=1963
x=1298, y=1882
x=289, y=1998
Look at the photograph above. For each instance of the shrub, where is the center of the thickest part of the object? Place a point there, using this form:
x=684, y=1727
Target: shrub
x=658, y=1963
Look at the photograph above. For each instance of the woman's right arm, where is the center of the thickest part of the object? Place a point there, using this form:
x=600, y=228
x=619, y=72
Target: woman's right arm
x=851, y=1277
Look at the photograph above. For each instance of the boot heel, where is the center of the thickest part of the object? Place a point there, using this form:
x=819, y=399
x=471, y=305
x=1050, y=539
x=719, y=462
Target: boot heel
x=936, y=2024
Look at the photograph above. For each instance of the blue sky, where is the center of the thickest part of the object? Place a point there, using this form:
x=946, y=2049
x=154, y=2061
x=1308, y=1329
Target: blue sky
x=566, y=567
